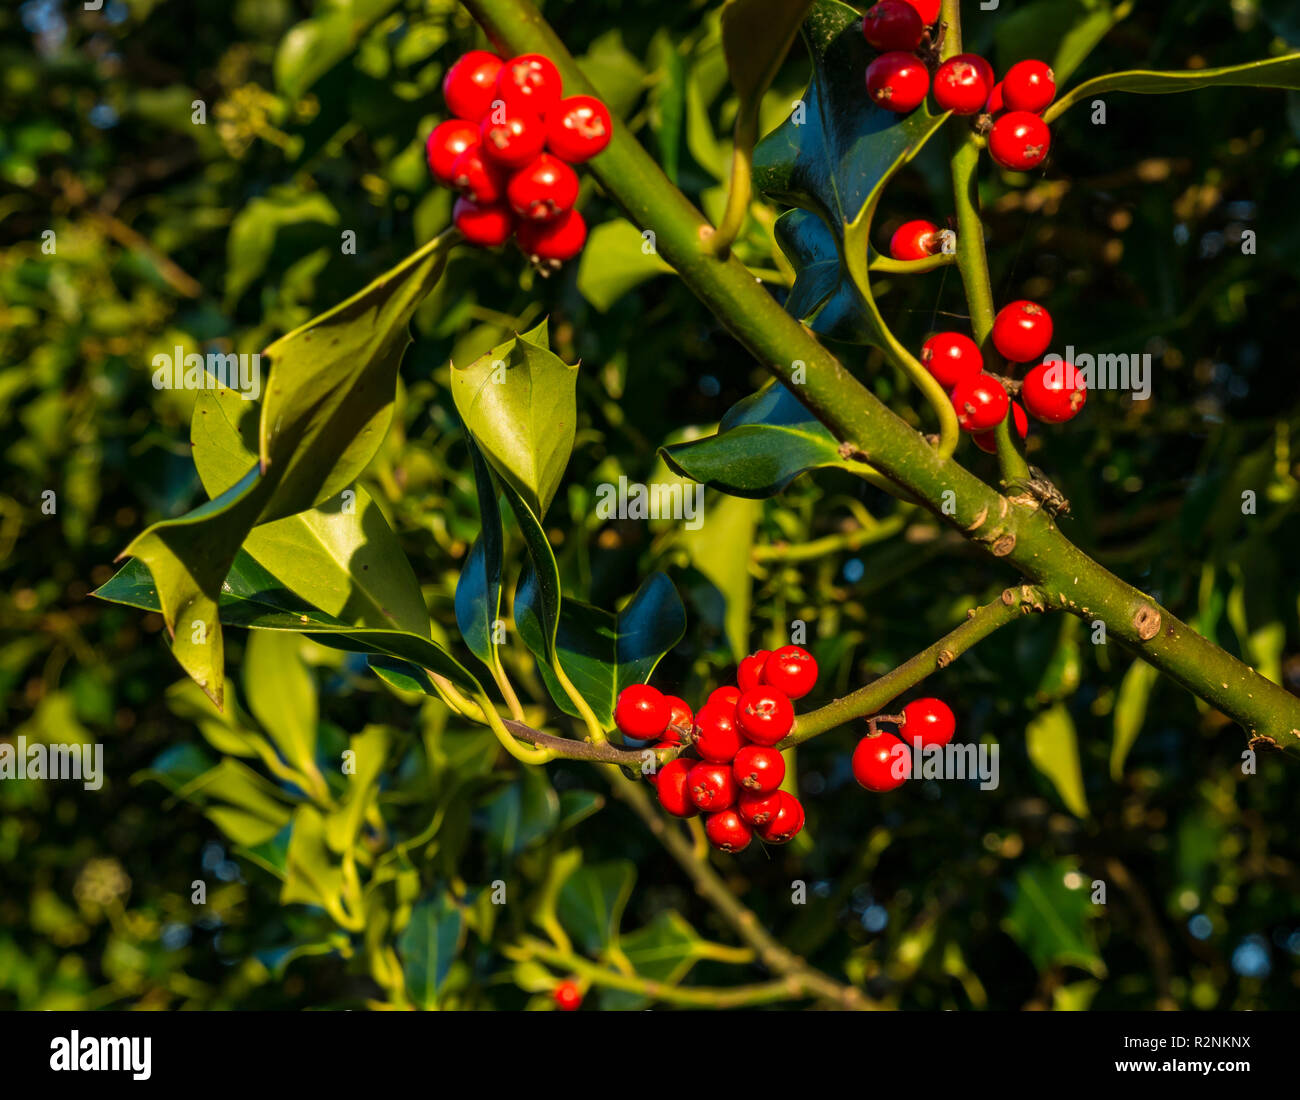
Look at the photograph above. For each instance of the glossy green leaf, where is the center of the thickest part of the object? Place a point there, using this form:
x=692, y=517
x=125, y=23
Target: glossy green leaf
x=1050, y=915
x=602, y=653
x=537, y=593
x=328, y=404
x=253, y=599
x=591, y=902
x=1053, y=748
x=311, y=875
x=478, y=591
x=519, y=403
x=1130, y=712
x=311, y=48
x=429, y=945
x=834, y=161
x=577, y=806
x=762, y=444
x=615, y=262
x=1274, y=72
x=341, y=557
x=522, y=814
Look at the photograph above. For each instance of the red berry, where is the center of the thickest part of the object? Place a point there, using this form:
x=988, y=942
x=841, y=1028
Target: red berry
x=674, y=794
x=898, y=81
x=511, y=139
x=893, y=25
x=1022, y=331
x=726, y=696
x=486, y=226
x=750, y=673
x=928, y=10
x=568, y=996
x=717, y=736
x=470, y=85
x=988, y=441
x=448, y=140
x=758, y=809
x=543, y=189
x=786, y=822
x=727, y=831
x=914, y=240
x=1019, y=140
x=758, y=768
x=930, y=720
x=1053, y=392
x=1029, y=86
x=679, y=715
x=792, y=670
x=765, y=715
x=476, y=177
x=554, y=242
x=711, y=786
x=951, y=357
x=641, y=712
x=962, y=84
x=881, y=763
x=578, y=128
x=529, y=82
x=981, y=402
x=996, y=104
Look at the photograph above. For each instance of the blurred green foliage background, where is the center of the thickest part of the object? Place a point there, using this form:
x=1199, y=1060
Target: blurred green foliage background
x=198, y=165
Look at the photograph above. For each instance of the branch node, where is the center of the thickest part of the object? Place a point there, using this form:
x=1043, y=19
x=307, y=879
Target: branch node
x=1146, y=622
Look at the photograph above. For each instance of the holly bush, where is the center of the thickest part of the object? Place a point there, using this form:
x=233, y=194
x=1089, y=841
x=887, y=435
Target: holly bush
x=468, y=498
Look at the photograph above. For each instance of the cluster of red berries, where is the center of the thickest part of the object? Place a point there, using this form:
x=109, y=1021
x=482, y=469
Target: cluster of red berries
x=1022, y=332
x=899, y=80
x=734, y=772
x=883, y=761
x=509, y=149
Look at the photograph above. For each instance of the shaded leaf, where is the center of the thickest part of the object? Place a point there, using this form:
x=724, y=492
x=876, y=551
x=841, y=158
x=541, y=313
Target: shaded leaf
x=478, y=591
x=429, y=945
x=1130, y=712
x=615, y=262
x=1050, y=918
x=523, y=813
x=591, y=902
x=1053, y=748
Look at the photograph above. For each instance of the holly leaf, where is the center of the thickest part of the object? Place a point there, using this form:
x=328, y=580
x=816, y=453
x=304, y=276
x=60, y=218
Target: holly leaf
x=519, y=403
x=1130, y=712
x=429, y=945
x=591, y=902
x=1274, y=72
x=1049, y=918
x=602, y=653
x=832, y=157
x=255, y=600
x=762, y=444
x=328, y=405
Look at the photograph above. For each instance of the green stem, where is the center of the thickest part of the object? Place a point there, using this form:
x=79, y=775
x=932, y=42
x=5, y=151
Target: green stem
x=1024, y=537
x=972, y=259
x=980, y=623
x=736, y=996
x=741, y=188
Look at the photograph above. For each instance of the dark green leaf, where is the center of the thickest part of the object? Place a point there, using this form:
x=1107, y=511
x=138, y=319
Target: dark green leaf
x=762, y=444
x=1050, y=916
x=478, y=591
x=591, y=903
x=429, y=945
